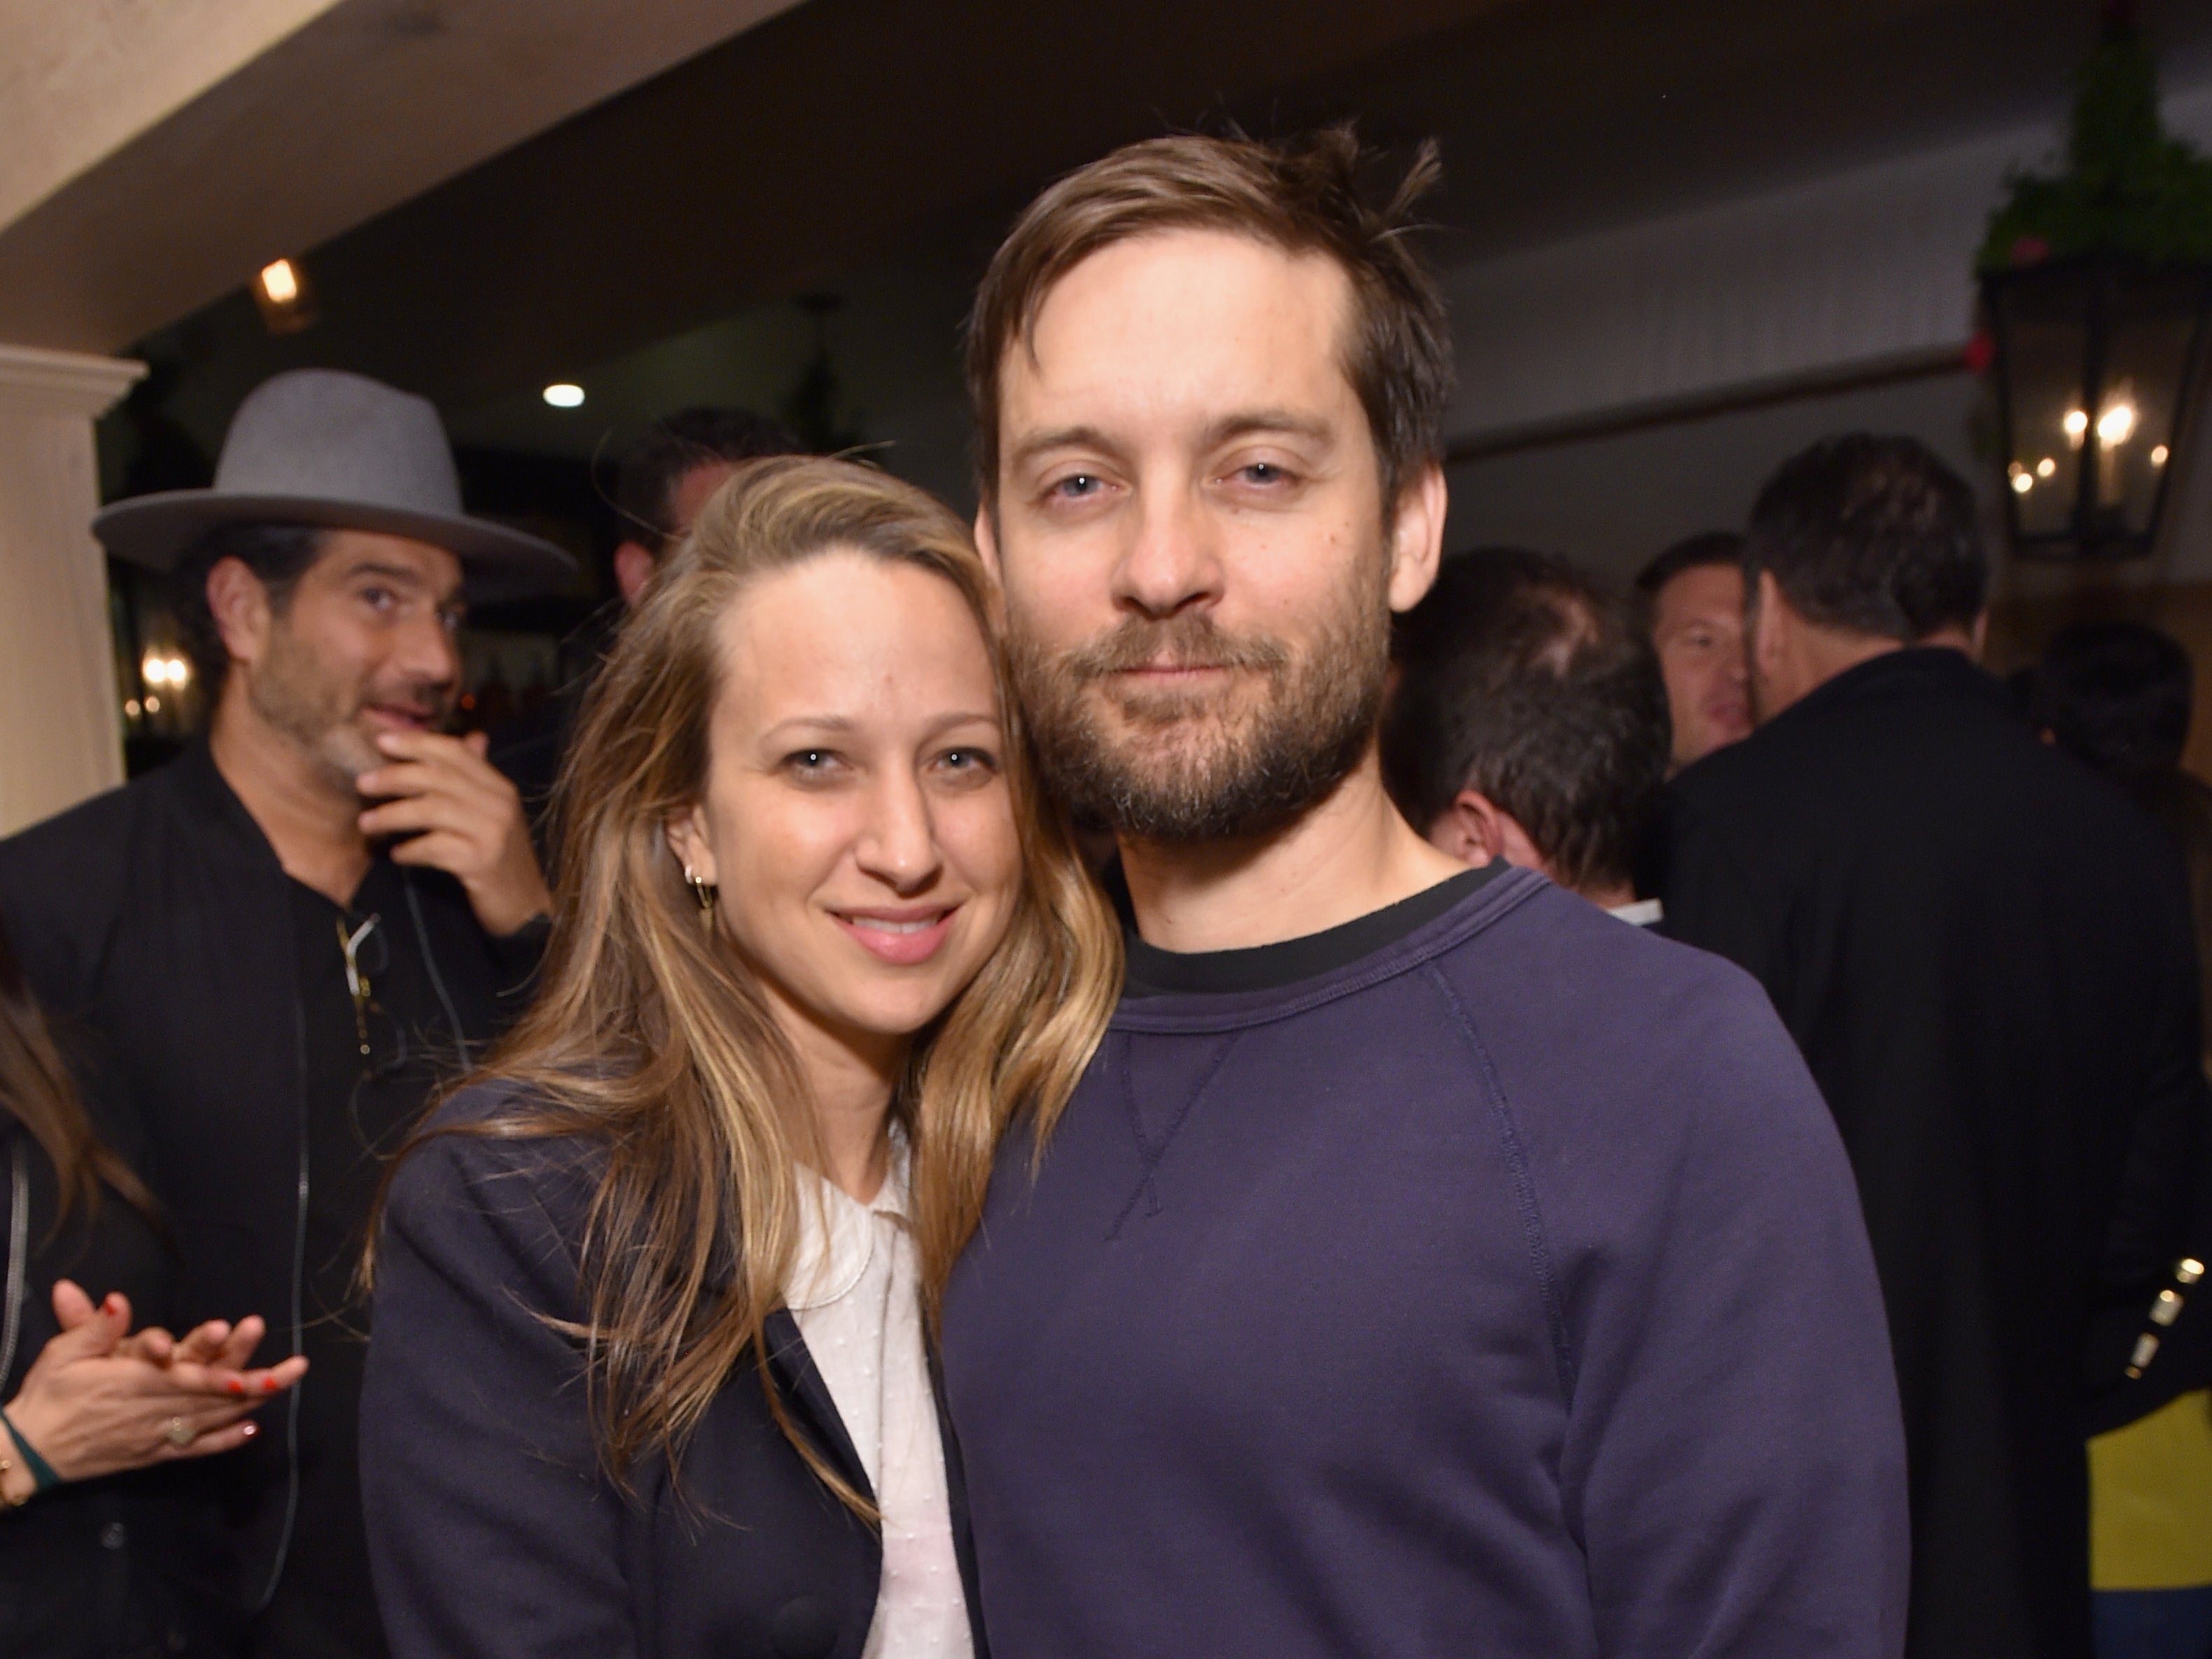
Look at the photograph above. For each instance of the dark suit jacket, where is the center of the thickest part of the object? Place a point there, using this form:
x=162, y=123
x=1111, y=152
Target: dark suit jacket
x=155, y=922
x=1985, y=954
x=494, y=1533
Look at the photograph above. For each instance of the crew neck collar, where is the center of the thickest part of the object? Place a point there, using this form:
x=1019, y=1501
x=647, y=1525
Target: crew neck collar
x=1153, y=972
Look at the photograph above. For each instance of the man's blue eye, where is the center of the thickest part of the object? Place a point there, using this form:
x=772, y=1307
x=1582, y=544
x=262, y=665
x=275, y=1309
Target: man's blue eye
x=1081, y=484
x=1263, y=472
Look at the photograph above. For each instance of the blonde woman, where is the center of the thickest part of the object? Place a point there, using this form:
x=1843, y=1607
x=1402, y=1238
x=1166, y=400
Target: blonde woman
x=649, y=1373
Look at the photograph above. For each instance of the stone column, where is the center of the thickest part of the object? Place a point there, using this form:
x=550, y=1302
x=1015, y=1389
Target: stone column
x=60, y=734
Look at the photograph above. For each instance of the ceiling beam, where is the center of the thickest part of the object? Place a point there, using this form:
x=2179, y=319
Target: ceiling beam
x=835, y=135
x=158, y=155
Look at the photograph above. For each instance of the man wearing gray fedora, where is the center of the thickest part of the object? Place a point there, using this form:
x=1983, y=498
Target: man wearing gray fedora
x=280, y=942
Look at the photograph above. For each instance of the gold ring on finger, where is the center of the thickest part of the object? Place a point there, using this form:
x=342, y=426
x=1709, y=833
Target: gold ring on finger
x=181, y=1434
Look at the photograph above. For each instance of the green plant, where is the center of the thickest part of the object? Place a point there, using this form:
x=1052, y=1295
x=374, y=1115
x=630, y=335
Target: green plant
x=2128, y=188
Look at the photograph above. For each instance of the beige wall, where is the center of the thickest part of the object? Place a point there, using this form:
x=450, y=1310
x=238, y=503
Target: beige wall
x=79, y=80
x=155, y=154
x=60, y=740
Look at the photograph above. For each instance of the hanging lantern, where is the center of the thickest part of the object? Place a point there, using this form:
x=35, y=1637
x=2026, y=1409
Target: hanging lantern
x=2096, y=284
x=2097, y=359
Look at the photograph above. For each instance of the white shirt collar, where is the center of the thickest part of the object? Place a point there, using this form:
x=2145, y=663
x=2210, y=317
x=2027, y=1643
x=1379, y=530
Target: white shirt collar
x=837, y=1232
x=1641, y=914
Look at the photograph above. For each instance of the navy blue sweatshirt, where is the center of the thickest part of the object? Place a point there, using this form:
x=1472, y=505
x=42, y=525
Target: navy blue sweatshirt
x=1502, y=1290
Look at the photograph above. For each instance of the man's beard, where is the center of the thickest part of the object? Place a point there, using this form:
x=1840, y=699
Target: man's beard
x=1179, y=766
x=302, y=698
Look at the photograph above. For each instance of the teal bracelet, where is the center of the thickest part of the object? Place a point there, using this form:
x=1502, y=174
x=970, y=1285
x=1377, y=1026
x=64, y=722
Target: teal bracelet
x=43, y=1478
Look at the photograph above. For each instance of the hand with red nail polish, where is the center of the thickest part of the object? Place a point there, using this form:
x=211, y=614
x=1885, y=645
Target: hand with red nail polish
x=100, y=1397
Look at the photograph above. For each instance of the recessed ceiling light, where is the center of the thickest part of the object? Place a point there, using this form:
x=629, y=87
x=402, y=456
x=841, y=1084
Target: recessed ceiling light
x=562, y=395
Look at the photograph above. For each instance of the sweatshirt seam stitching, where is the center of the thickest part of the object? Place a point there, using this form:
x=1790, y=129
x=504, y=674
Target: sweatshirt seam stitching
x=1524, y=1186
x=1150, y=1153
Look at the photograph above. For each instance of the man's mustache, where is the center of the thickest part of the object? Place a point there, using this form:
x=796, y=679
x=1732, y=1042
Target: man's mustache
x=1175, y=642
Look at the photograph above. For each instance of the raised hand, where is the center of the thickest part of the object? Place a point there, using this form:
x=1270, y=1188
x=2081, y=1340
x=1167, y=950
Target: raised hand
x=460, y=815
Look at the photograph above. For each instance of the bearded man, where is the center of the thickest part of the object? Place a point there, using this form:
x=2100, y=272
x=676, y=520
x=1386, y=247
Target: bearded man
x=280, y=940
x=1427, y=1264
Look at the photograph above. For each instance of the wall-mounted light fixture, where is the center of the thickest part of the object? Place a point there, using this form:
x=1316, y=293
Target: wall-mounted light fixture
x=162, y=668
x=2104, y=334
x=2097, y=286
x=286, y=300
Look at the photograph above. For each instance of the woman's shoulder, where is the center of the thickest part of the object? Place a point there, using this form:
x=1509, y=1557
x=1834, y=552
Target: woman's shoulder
x=496, y=1158
x=527, y=1118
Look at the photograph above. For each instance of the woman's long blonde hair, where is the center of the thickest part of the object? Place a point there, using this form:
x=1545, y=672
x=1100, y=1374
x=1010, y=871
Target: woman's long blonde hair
x=652, y=1039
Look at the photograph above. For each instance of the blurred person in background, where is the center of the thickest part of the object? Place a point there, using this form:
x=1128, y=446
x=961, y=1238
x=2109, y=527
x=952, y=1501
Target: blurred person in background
x=660, y=483
x=1986, y=957
x=283, y=937
x=663, y=479
x=2117, y=696
x=1693, y=597
x=97, y=1562
x=1529, y=723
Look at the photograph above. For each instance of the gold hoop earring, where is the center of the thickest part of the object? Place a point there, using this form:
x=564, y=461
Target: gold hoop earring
x=704, y=892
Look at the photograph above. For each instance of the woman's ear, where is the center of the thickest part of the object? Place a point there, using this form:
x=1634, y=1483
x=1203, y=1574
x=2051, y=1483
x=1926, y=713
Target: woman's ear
x=687, y=839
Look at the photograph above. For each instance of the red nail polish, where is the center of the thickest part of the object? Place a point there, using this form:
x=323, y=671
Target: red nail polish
x=268, y=1385
x=238, y=1385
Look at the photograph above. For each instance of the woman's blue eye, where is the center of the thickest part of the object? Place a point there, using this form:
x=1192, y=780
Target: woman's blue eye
x=1263, y=473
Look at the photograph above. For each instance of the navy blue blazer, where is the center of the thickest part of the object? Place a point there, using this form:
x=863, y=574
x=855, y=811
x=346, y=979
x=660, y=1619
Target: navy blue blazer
x=492, y=1529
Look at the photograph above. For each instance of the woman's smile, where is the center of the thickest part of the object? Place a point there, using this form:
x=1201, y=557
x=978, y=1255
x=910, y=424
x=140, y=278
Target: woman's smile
x=904, y=937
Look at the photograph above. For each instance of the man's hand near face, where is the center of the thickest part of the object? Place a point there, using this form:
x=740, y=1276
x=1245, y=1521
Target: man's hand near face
x=460, y=815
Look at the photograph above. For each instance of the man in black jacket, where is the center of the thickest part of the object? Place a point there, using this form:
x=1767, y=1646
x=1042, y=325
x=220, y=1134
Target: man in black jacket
x=283, y=940
x=1985, y=954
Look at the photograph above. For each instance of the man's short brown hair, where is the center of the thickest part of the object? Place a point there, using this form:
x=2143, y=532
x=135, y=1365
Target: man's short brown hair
x=1522, y=678
x=1302, y=197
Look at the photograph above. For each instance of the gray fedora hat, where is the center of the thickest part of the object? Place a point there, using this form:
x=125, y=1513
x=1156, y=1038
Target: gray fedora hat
x=320, y=447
